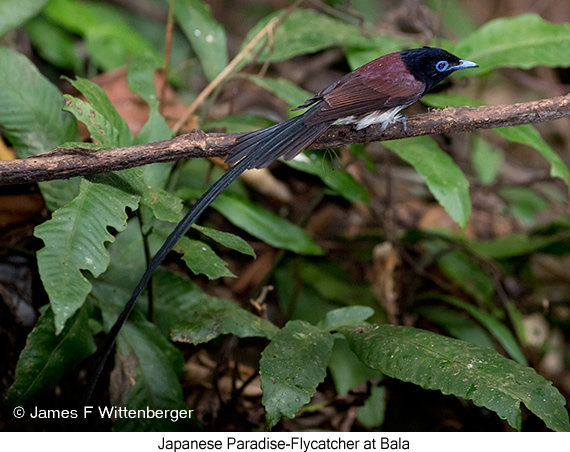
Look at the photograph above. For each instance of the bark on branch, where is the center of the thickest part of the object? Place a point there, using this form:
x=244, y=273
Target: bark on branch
x=66, y=163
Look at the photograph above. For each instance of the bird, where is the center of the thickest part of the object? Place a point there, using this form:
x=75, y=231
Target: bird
x=374, y=93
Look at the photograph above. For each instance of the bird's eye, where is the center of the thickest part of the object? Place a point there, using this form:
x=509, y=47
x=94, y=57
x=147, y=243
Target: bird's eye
x=442, y=65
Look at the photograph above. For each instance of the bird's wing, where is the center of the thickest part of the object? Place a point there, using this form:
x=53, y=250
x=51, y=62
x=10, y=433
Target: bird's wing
x=361, y=94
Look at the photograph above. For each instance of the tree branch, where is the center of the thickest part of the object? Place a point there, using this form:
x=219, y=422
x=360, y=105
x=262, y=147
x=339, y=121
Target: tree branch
x=66, y=163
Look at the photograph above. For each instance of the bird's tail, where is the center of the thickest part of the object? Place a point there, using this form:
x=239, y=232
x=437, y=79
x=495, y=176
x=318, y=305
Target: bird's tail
x=286, y=139
x=99, y=359
x=254, y=150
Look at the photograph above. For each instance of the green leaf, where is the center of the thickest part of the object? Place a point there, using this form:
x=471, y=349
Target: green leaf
x=525, y=203
x=213, y=317
x=300, y=301
x=528, y=135
x=207, y=37
x=31, y=116
x=75, y=240
x=99, y=115
x=523, y=41
x=496, y=328
x=55, y=44
x=326, y=282
x=265, y=225
x=456, y=367
x=165, y=206
x=337, y=179
x=443, y=177
x=109, y=38
x=347, y=371
x=141, y=81
x=350, y=315
x=524, y=134
x=291, y=367
x=457, y=325
x=515, y=244
x=201, y=259
x=461, y=268
x=14, y=13
x=305, y=31
x=146, y=376
x=373, y=412
x=198, y=256
x=231, y=241
x=47, y=356
x=486, y=160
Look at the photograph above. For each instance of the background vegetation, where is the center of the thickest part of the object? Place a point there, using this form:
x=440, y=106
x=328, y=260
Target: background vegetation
x=382, y=272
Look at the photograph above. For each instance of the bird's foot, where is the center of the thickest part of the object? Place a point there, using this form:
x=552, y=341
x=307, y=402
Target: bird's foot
x=403, y=119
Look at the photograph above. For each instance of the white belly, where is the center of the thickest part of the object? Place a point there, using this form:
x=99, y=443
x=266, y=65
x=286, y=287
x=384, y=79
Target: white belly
x=383, y=117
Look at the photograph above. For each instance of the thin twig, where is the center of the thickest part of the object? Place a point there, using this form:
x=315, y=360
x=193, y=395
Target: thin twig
x=168, y=48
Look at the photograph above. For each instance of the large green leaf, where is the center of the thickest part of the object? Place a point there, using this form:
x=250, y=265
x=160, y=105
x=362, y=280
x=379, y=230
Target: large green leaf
x=208, y=37
x=456, y=367
x=14, y=13
x=146, y=376
x=48, y=356
x=31, y=116
x=457, y=325
x=496, y=328
x=75, y=240
x=291, y=367
x=522, y=41
x=265, y=225
x=443, y=177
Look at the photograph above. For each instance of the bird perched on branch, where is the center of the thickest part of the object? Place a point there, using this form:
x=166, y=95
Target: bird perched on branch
x=372, y=94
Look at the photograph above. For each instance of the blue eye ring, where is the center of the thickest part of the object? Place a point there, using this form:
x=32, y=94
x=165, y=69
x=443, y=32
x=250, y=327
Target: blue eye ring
x=441, y=66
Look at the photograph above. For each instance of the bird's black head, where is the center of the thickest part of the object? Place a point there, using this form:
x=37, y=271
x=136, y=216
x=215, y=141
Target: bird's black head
x=431, y=65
